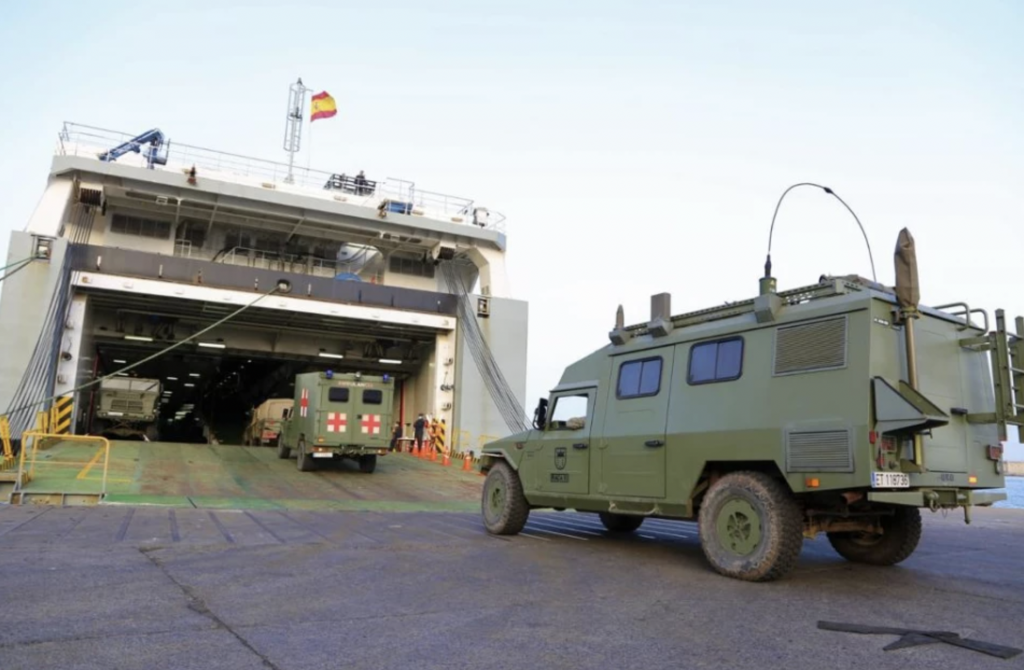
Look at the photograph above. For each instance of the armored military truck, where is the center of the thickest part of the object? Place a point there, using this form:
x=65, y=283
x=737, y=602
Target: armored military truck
x=127, y=407
x=841, y=408
x=338, y=416
x=265, y=423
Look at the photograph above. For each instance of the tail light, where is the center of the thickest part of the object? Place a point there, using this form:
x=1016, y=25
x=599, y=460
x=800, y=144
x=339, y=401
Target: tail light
x=995, y=452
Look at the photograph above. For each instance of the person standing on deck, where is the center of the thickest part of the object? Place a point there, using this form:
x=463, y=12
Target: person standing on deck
x=418, y=428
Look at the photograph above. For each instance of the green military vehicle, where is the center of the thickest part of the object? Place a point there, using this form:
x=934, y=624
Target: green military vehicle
x=843, y=407
x=128, y=408
x=338, y=416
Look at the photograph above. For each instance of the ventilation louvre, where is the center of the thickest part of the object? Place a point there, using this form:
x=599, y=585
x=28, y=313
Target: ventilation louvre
x=819, y=451
x=806, y=347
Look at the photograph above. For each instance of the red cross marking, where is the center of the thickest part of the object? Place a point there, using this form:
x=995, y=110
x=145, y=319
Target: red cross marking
x=371, y=424
x=336, y=422
x=304, y=402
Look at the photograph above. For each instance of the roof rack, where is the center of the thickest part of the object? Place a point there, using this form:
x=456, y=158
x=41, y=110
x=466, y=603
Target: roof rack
x=826, y=288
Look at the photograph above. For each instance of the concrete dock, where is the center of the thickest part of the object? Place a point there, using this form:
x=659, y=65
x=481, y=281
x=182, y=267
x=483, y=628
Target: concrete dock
x=307, y=585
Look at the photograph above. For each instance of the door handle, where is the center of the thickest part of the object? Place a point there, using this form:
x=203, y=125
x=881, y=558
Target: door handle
x=580, y=445
x=653, y=443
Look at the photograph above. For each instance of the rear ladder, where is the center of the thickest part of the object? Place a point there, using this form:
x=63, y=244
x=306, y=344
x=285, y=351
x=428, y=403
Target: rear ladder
x=1007, y=355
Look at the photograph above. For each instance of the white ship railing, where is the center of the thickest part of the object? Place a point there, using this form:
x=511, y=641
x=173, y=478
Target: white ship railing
x=89, y=141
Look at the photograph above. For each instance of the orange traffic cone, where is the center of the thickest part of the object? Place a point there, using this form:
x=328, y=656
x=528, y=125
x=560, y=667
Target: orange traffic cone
x=467, y=462
x=446, y=460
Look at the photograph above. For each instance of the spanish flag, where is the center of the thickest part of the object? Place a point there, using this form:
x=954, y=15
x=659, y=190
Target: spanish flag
x=322, y=107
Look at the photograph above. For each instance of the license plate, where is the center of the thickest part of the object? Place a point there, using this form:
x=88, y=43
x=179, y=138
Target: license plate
x=322, y=454
x=890, y=480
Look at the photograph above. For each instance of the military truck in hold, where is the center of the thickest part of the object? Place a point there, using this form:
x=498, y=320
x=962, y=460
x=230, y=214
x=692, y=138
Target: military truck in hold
x=338, y=416
x=265, y=422
x=841, y=408
x=127, y=408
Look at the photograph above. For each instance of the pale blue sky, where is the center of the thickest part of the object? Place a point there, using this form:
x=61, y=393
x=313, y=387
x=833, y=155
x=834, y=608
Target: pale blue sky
x=672, y=125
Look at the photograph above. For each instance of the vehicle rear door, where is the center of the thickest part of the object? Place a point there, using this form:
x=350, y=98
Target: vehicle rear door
x=371, y=428
x=561, y=461
x=336, y=415
x=632, y=445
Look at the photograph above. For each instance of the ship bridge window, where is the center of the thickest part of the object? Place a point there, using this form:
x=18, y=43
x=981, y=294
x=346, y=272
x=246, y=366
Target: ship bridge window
x=373, y=397
x=718, y=361
x=136, y=225
x=638, y=379
x=338, y=394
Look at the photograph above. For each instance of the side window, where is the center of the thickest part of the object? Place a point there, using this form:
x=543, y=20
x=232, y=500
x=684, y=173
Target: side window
x=373, y=397
x=570, y=412
x=338, y=394
x=639, y=378
x=718, y=361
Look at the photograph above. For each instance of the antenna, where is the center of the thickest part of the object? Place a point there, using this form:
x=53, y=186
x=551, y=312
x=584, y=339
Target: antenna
x=767, y=283
x=293, y=124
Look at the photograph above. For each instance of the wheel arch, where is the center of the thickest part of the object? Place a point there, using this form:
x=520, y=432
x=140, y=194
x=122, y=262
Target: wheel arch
x=489, y=458
x=714, y=470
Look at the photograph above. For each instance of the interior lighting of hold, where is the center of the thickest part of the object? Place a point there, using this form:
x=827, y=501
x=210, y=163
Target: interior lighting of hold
x=119, y=361
x=390, y=361
x=189, y=385
x=193, y=374
x=138, y=338
x=212, y=345
x=324, y=354
x=172, y=379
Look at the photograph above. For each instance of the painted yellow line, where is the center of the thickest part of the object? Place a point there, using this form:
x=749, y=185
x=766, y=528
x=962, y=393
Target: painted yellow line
x=88, y=467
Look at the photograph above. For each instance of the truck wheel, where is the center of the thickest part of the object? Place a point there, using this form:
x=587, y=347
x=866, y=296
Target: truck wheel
x=304, y=462
x=367, y=464
x=751, y=527
x=620, y=523
x=901, y=533
x=283, y=452
x=503, y=504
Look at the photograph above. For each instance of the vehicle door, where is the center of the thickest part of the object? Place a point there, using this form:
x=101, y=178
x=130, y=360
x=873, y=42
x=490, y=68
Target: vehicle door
x=632, y=445
x=372, y=426
x=335, y=420
x=562, y=461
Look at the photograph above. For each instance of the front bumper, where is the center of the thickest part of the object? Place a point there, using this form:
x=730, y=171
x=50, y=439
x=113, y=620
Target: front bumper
x=935, y=497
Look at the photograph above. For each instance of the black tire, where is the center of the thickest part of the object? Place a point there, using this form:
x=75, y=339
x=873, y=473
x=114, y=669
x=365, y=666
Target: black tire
x=502, y=504
x=751, y=527
x=283, y=452
x=304, y=461
x=368, y=464
x=620, y=523
x=900, y=536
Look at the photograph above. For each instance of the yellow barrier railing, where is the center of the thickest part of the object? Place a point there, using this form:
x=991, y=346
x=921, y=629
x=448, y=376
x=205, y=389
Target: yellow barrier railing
x=30, y=445
x=5, y=437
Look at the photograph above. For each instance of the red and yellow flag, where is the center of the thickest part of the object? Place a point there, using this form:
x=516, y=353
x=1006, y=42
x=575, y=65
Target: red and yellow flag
x=322, y=107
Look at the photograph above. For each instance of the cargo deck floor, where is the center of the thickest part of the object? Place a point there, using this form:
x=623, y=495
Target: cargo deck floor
x=226, y=476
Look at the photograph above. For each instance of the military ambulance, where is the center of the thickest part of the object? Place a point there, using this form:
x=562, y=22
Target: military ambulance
x=841, y=408
x=338, y=416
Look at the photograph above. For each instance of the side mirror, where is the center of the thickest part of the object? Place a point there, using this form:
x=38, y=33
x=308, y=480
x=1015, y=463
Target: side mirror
x=540, y=414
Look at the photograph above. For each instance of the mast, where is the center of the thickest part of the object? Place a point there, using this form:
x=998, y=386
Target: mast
x=293, y=124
